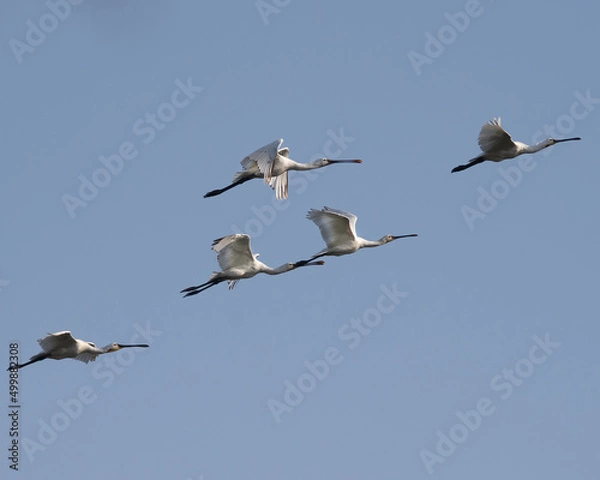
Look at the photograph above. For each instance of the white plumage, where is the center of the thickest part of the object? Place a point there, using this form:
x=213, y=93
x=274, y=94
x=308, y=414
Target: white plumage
x=497, y=145
x=272, y=163
x=237, y=261
x=338, y=229
x=62, y=345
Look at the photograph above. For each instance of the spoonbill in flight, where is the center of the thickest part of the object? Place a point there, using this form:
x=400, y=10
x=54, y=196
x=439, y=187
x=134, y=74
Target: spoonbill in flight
x=63, y=345
x=497, y=145
x=272, y=163
x=338, y=229
x=237, y=261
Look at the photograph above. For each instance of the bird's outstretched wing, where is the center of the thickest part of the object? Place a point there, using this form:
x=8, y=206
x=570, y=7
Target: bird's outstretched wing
x=280, y=185
x=493, y=138
x=263, y=158
x=56, y=340
x=337, y=227
x=233, y=251
x=86, y=357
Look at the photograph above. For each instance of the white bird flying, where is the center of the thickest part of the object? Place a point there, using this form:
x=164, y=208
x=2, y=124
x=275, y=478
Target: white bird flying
x=273, y=163
x=63, y=345
x=497, y=145
x=338, y=229
x=237, y=261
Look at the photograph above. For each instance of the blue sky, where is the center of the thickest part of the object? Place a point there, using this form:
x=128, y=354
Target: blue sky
x=501, y=279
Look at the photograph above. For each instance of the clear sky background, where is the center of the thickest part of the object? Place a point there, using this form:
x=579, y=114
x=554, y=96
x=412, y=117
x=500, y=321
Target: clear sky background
x=477, y=288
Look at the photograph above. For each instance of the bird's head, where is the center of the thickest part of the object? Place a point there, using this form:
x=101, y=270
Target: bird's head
x=552, y=141
x=391, y=238
x=387, y=239
x=323, y=162
x=113, y=347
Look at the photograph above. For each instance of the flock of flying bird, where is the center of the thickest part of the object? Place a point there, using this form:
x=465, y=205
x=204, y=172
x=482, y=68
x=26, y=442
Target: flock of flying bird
x=338, y=229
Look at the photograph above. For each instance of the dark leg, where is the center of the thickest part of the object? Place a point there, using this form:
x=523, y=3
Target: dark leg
x=472, y=162
x=219, y=191
x=35, y=358
x=303, y=263
x=200, y=288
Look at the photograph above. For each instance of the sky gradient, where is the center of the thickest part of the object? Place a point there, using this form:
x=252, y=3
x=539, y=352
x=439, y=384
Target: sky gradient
x=121, y=116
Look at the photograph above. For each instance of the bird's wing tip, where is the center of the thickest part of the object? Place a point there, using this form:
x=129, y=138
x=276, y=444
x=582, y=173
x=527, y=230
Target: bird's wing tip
x=217, y=240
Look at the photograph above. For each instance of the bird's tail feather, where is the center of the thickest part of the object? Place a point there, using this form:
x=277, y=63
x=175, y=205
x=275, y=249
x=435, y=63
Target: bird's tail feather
x=240, y=176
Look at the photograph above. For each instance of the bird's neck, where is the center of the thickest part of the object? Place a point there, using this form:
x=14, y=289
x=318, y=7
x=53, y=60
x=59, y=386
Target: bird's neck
x=276, y=271
x=532, y=148
x=371, y=243
x=306, y=166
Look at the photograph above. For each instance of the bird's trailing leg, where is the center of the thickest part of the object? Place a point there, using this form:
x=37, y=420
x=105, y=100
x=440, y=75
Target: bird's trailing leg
x=473, y=161
x=200, y=288
x=219, y=191
x=304, y=263
x=35, y=358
